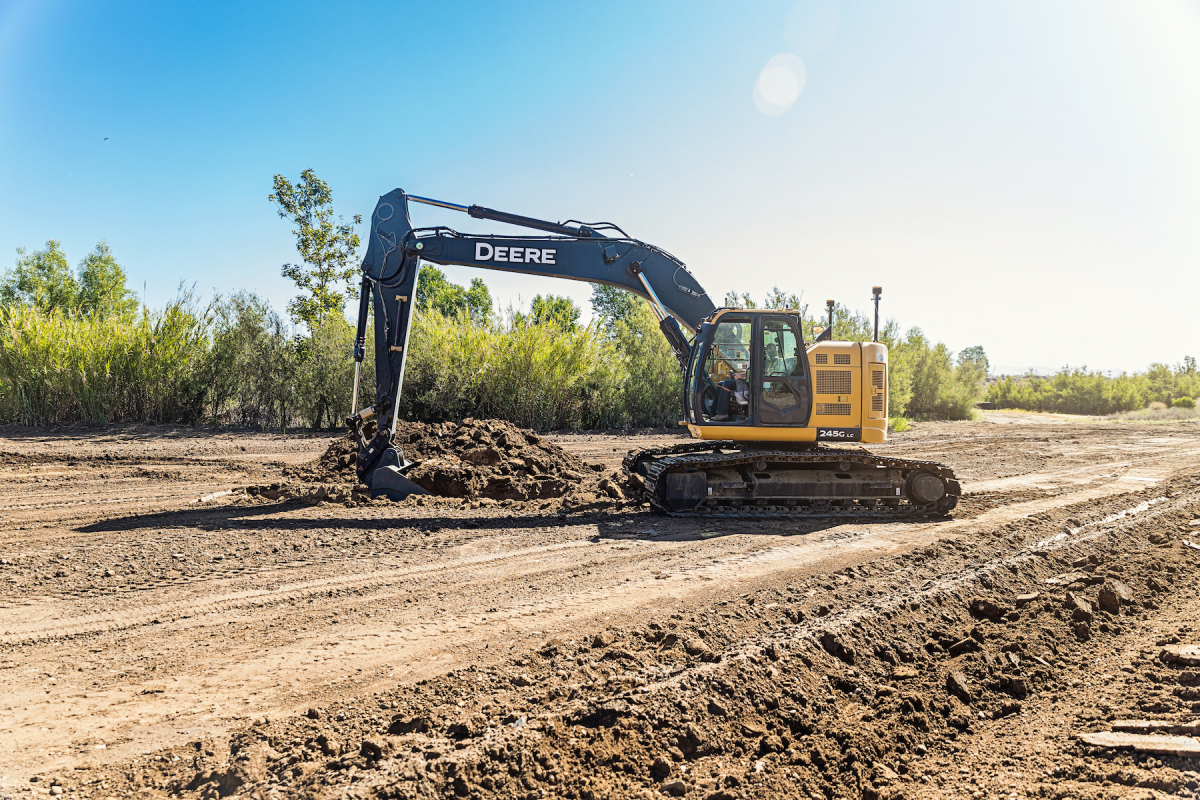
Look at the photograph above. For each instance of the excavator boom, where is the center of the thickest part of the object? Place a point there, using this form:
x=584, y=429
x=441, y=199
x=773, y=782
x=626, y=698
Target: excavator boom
x=576, y=251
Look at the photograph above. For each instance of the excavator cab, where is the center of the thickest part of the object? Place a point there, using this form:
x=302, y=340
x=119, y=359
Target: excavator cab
x=750, y=369
x=752, y=377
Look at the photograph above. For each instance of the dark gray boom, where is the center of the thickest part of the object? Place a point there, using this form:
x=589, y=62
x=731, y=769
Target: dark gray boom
x=596, y=253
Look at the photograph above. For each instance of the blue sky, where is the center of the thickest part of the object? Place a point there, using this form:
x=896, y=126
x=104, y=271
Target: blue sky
x=1021, y=175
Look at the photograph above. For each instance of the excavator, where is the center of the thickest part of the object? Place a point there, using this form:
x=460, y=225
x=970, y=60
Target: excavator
x=774, y=417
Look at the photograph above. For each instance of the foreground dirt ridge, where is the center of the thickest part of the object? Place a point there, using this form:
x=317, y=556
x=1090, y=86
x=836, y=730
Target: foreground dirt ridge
x=465, y=651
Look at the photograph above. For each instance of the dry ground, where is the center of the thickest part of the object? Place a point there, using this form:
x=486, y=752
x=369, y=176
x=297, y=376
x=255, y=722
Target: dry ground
x=158, y=640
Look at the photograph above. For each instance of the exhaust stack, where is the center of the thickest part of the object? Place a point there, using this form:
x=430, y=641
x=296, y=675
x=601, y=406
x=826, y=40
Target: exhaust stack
x=875, y=292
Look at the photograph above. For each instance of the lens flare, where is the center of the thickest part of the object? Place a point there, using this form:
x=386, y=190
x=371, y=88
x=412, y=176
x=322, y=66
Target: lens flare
x=779, y=84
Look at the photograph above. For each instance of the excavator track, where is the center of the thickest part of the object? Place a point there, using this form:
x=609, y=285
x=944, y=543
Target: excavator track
x=743, y=480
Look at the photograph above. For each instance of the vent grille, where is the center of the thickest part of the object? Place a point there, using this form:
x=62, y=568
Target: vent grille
x=822, y=358
x=834, y=409
x=834, y=381
x=878, y=391
x=841, y=358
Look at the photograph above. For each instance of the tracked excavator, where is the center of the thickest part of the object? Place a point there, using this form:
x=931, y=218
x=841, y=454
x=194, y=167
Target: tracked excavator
x=774, y=416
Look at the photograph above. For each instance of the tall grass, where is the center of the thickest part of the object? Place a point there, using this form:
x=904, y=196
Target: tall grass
x=57, y=367
x=652, y=394
x=233, y=362
x=238, y=362
x=539, y=376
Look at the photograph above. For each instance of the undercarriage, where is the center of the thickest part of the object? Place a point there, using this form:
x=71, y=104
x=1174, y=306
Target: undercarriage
x=730, y=479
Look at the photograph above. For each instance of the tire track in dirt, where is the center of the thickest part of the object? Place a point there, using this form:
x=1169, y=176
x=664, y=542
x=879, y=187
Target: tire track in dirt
x=687, y=689
x=281, y=680
x=897, y=534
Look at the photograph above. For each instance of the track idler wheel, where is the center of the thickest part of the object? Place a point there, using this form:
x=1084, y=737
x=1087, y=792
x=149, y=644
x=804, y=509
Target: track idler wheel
x=925, y=487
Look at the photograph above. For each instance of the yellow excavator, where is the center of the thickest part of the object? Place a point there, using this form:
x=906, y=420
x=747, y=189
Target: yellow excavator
x=774, y=416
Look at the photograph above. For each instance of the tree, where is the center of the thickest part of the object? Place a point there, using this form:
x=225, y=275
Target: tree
x=435, y=292
x=735, y=300
x=777, y=298
x=102, y=288
x=561, y=311
x=974, y=355
x=1162, y=383
x=41, y=279
x=432, y=286
x=932, y=372
x=612, y=305
x=923, y=381
x=849, y=327
x=326, y=245
x=970, y=374
x=479, y=301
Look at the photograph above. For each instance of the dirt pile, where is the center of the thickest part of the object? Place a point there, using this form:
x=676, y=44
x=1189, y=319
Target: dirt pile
x=474, y=460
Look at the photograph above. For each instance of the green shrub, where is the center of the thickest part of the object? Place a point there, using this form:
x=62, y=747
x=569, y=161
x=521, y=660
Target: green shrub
x=325, y=378
x=652, y=394
x=58, y=367
x=539, y=376
x=898, y=424
x=1184, y=402
x=251, y=366
x=1077, y=391
x=936, y=388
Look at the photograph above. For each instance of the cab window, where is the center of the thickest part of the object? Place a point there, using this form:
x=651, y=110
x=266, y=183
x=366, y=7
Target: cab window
x=725, y=390
x=730, y=351
x=782, y=354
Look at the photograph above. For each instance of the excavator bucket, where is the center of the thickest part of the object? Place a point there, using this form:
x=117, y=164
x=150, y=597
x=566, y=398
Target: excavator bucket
x=388, y=479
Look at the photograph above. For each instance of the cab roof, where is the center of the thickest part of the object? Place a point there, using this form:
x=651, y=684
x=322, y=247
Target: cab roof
x=751, y=311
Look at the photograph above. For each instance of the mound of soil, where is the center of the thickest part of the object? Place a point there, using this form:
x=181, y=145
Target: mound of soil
x=474, y=460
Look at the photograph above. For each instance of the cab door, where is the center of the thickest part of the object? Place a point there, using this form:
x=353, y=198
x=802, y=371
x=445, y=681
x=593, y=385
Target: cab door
x=723, y=350
x=784, y=393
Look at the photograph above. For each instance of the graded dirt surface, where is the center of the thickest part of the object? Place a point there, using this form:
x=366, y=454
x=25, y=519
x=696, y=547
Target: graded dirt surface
x=164, y=634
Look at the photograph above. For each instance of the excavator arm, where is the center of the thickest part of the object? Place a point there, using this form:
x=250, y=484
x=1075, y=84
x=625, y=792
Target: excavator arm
x=596, y=253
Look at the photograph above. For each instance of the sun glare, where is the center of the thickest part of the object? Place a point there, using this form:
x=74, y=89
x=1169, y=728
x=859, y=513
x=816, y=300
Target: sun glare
x=779, y=84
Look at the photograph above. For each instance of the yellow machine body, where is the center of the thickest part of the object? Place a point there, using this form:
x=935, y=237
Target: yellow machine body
x=847, y=398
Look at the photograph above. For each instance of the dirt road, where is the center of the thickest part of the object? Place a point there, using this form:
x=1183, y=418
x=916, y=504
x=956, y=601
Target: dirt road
x=158, y=635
